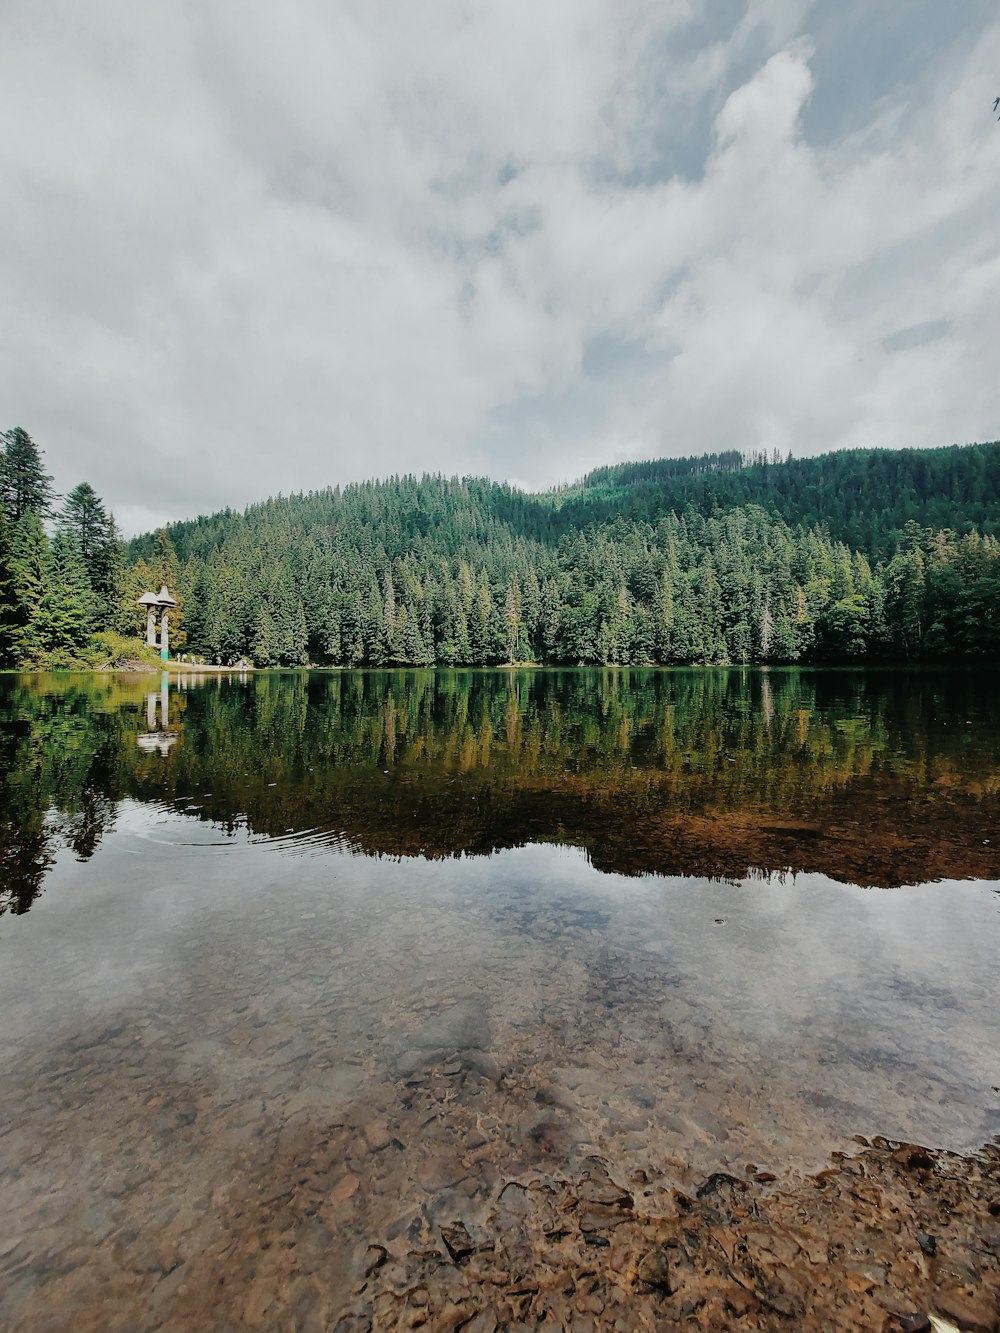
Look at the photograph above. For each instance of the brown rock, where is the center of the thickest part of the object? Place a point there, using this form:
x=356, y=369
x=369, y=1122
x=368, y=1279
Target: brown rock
x=155, y=1258
x=458, y=1241
x=376, y=1134
x=345, y=1188
x=484, y=1322
x=599, y=1188
x=654, y=1270
x=452, y=1317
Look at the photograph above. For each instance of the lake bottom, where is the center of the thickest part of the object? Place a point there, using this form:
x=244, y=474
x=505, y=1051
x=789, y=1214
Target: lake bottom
x=281, y=1086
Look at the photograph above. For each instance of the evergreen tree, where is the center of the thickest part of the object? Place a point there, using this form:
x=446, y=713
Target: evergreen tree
x=8, y=621
x=63, y=619
x=25, y=486
x=85, y=516
x=31, y=575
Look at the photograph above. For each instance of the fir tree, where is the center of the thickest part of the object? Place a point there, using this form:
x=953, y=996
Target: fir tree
x=85, y=516
x=25, y=486
x=8, y=623
x=31, y=575
x=64, y=616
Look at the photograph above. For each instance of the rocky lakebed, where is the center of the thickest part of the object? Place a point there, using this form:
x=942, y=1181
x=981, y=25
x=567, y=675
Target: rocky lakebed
x=464, y=1196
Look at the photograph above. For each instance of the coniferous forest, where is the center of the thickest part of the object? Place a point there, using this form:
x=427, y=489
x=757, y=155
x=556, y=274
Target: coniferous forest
x=852, y=556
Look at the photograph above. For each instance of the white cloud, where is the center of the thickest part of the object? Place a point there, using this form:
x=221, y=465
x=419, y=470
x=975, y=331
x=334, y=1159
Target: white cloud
x=250, y=249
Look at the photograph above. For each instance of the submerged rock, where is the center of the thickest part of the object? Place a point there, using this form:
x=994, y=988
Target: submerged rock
x=458, y=1241
x=441, y=1172
x=459, y=1035
x=831, y=1252
x=654, y=1270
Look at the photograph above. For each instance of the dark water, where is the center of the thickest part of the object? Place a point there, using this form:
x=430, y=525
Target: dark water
x=289, y=962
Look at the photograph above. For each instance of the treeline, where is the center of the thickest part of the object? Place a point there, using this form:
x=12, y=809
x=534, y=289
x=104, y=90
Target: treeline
x=411, y=572
x=635, y=565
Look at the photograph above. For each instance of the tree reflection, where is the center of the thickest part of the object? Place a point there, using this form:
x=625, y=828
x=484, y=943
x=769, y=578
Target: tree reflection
x=880, y=778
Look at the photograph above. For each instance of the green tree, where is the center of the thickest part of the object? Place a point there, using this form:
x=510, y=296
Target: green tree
x=8, y=621
x=842, y=631
x=63, y=618
x=25, y=486
x=31, y=571
x=85, y=516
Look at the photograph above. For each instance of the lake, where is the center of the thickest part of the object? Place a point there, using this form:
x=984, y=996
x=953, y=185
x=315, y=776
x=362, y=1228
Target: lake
x=298, y=968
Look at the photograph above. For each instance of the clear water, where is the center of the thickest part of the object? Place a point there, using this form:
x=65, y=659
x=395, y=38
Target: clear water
x=313, y=959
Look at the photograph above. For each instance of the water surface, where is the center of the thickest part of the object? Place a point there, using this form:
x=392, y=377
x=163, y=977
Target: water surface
x=294, y=962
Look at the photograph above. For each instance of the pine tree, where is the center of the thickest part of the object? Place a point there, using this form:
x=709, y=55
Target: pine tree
x=8, y=623
x=130, y=618
x=512, y=624
x=297, y=650
x=663, y=619
x=109, y=577
x=63, y=618
x=85, y=516
x=25, y=486
x=31, y=574
x=264, y=648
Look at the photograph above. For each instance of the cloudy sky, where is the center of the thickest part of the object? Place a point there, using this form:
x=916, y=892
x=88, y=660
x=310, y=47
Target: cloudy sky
x=250, y=247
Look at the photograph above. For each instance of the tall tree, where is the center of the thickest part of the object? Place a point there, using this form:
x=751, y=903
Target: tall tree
x=84, y=514
x=86, y=518
x=24, y=483
x=8, y=624
x=65, y=613
x=31, y=574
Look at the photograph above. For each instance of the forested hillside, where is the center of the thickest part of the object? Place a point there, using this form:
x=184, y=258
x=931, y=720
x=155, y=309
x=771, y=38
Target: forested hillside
x=681, y=560
x=858, y=555
x=863, y=497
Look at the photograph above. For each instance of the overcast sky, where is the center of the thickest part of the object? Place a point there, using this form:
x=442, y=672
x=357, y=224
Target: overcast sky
x=249, y=247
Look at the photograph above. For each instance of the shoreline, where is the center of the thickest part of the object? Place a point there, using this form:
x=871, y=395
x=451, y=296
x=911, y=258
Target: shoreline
x=138, y=667
x=883, y=1239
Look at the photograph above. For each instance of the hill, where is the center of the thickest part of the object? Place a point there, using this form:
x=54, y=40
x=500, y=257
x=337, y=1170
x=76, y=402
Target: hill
x=864, y=497
x=848, y=556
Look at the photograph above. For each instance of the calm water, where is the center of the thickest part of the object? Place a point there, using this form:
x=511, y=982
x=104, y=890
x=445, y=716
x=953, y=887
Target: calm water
x=289, y=963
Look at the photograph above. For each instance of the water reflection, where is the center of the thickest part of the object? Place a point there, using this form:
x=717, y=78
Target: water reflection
x=873, y=778
x=233, y=1045
x=158, y=737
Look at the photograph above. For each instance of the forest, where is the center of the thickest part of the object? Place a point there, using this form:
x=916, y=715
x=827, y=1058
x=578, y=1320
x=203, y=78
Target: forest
x=880, y=555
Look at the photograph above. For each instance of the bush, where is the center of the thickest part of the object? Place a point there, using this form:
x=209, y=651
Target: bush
x=110, y=649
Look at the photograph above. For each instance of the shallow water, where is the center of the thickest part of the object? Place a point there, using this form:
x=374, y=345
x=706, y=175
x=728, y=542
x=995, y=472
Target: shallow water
x=317, y=961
